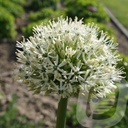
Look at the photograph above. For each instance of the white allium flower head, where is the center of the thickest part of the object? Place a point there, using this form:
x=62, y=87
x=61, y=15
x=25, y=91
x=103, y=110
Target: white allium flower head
x=66, y=57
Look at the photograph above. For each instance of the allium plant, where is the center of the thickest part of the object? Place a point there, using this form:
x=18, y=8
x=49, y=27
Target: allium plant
x=66, y=57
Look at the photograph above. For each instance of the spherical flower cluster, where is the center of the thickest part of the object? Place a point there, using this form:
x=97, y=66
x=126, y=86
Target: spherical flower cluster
x=67, y=57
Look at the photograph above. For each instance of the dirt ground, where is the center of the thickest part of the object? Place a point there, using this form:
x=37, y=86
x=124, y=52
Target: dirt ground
x=36, y=107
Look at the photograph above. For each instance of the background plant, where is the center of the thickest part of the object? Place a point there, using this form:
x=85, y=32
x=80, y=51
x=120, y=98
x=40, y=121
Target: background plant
x=71, y=117
x=11, y=118
x=85, y=9
x=39, y=4
x=7, y=24
x=12, y=7
x=119, y=11
x=124, y=64
x=45, y=13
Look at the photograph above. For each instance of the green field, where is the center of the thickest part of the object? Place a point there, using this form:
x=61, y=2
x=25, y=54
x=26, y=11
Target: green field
x=119, y=8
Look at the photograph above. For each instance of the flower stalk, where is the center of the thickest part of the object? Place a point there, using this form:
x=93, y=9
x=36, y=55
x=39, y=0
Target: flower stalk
x=61, y=113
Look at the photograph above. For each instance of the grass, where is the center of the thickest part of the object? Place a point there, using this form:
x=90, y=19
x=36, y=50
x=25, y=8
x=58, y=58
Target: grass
x=119, y=8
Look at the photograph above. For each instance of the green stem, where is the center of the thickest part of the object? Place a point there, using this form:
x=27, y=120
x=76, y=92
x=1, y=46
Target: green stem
x=61, y=113
x=88, y=109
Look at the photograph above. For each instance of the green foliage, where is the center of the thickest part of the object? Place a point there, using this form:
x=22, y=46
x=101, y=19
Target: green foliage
x=39, y=17
x=119, y=10
x=123, y=123
x=39, y=4
x=45, y=13
x=13, y=8
x=28, y=29
x=124, y=65
x=21, y=2
x=102, y=27
x=86, y=9
x=12, y=119
x=111, y=102
x=71, y=117
x=7, y=25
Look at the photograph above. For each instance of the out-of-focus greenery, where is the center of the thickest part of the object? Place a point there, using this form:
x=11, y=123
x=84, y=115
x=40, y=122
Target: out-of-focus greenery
x=41, y=16
x=71, y=120
x=7, y=25
x=11, y=118
x=86, y=9
x=39, y=10
x=106, y=108
x=124, y=64
x=110, y=32
x=20, y=2
x=9, y=11
x=45, y=13
x=118, y=8
x=39, y=4
x=123, y=122
x=13, y=8
x=28, y=29
x=81, y=8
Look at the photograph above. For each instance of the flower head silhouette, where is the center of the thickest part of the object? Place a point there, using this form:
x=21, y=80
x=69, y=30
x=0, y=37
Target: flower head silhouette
x=66, y=56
